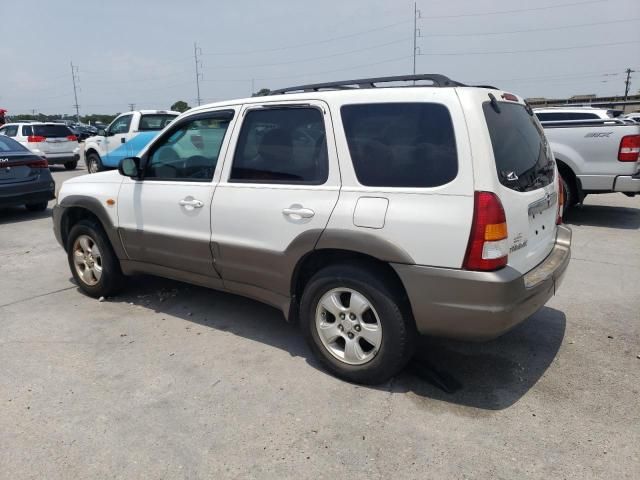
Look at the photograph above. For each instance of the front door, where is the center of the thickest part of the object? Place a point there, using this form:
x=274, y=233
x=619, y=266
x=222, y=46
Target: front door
x=165, y=218
x=115, y=142
x=276, y=194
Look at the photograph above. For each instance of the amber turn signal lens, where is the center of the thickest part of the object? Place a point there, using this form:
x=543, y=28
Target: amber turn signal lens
x=495, y=231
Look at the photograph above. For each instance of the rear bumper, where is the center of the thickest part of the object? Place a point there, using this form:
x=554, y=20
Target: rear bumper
x=58, y=159
x=482, y=305
x=627, y=183
x=27, y=195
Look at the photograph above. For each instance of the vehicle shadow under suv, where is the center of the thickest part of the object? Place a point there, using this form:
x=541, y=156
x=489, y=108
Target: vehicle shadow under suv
x=492, y=375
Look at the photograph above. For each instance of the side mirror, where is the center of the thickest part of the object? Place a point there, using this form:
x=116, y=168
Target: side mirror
x=130, y=167
x=102, y=132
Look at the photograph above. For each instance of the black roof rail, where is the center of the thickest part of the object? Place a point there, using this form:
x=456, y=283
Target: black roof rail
x=490, y=87
x=437, y=79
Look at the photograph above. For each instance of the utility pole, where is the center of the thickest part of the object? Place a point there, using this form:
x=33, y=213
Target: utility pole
x=253, y=87
x=197, y=51
x=132, y=107
x=416, y=34
x=627, y=83
x=75, y=77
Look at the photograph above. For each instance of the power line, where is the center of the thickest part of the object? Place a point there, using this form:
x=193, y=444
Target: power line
x=549, y=29
x=500, y=12
x=531, y=50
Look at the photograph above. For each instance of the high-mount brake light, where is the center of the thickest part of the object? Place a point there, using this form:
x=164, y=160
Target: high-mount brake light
x=509, y=96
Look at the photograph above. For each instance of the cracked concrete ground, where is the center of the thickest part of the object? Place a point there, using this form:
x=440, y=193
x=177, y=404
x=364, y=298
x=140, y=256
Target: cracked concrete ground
x=173, y=381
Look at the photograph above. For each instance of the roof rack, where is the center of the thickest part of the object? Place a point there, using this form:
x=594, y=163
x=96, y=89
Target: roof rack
x=437, y=79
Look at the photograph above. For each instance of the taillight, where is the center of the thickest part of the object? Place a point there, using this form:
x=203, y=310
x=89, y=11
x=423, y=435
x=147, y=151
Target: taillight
x=560, y=201
x=72, y=138
x=629, y=148
x=488, y=247
x=42, y=163
x=36, y=138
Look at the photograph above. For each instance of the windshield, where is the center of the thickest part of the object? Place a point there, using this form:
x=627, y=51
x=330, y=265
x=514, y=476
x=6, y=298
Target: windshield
x=523, y=158
x=155, y=122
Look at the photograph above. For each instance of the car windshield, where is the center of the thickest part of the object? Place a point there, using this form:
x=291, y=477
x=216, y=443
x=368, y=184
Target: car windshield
x=155, y=121
x=8, y=145
x=520, y=148
x=51, y=131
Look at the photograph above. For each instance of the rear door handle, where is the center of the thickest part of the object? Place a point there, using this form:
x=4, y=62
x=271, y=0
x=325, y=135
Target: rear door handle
x=298, y=211
x=190, y=203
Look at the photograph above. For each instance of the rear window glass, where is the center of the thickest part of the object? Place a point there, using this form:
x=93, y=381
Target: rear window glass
x=154, y=122
x=51, y=131
x=401, y=144
x=520, y=148
x=9, y=145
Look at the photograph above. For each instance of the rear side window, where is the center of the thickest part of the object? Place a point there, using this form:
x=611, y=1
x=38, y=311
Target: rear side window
x=154, y=122
x=27, y=131
x=401, y=144
x=51, y=131
x=519, y=146
x=282, y=145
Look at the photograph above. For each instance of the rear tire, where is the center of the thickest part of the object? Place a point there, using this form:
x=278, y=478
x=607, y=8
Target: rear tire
x=94, y=164
x=92, y=261
x=367, y=313
x=71, y=165
x=37, y=207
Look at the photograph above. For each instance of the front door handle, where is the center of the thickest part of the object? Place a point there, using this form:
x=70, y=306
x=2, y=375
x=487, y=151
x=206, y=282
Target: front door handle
x=298, y=211
x=122, y=140
x=190, y=203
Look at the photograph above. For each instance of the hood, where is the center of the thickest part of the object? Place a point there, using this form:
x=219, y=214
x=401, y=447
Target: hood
x=110, y=176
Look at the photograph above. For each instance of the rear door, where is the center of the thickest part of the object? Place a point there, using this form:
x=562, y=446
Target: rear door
x=277, y=191
x=51, y=138
x=528, y=182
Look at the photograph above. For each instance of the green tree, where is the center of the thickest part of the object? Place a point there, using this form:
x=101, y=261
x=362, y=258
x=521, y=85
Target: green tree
x=262, y=92
x=180, y=106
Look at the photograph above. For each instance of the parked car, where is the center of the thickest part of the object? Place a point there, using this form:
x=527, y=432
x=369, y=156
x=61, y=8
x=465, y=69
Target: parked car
x=633, y=116
x=126, y=136
x=25, y=178
x=81, y=132
x=594, y=155
x=53, y=141
x=368, y=215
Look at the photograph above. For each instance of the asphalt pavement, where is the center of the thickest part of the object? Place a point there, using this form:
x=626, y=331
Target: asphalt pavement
x=171, y=381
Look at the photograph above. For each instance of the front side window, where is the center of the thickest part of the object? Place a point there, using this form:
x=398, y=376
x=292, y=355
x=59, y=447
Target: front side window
x=401, y=144
x=282, y=145
x=121, y=125
x=190, y=151
x=151, y=122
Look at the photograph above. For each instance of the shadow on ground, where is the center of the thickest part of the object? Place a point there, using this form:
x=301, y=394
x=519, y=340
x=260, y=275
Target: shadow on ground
x=21, y=214
x=604, y=216
x=490, y=376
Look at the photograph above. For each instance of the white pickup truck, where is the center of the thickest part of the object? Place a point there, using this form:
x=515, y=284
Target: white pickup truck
x=595, y=152
x=126, y=136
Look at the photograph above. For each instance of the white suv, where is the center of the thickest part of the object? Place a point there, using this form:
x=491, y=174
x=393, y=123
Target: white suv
x=53, y=141
x=369, y=215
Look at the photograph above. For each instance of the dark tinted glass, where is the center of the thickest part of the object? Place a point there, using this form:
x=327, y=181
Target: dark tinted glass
x=154, y=122
x=519, y=147
x=189, y=152
x=51, y=131
x=8, y=145
x=282, y=145
x=401, y=144
x=560, y=116
x=27, y=130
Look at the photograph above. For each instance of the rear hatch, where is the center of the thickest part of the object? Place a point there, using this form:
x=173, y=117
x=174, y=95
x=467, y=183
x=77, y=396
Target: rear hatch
x=51, y=139
x=528, y=186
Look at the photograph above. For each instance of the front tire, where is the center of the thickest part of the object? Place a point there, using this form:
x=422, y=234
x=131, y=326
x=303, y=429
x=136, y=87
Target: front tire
x=92, y=261
x=354, y=324
x=71, y=165
x=94, y=164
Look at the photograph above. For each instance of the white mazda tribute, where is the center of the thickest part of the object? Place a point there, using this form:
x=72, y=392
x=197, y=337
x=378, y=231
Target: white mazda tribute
x=367, y=214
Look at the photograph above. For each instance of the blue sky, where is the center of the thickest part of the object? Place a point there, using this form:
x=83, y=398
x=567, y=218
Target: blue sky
x=142, y=51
